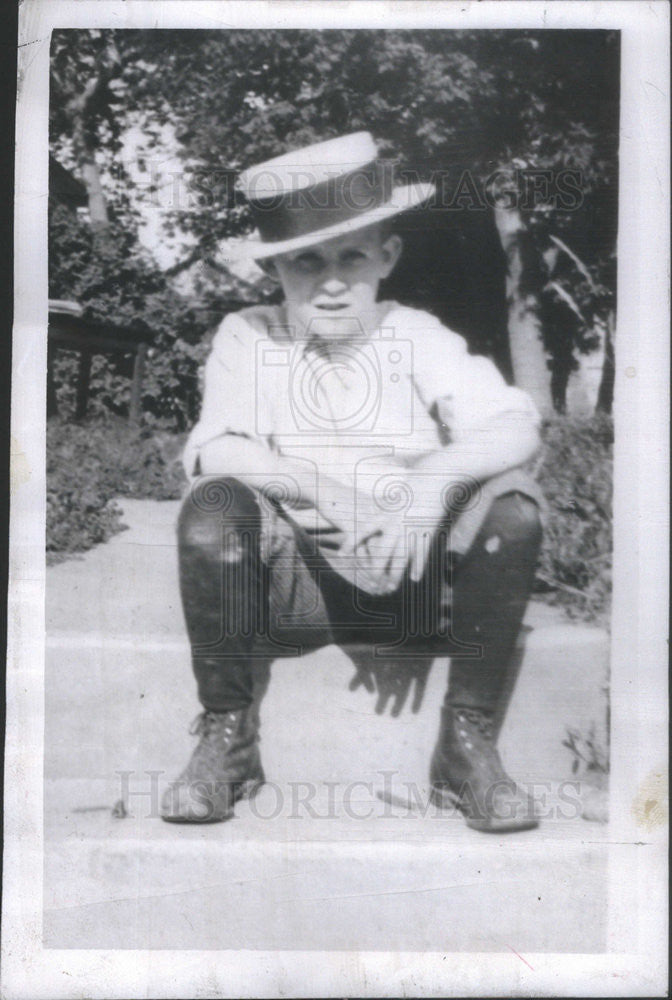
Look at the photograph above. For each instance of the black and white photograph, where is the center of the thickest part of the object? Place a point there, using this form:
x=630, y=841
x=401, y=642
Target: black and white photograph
x=339, y=501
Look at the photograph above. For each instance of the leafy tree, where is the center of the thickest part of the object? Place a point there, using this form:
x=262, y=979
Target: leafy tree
x=82, y=107
x=98, y=261
x=484, y=111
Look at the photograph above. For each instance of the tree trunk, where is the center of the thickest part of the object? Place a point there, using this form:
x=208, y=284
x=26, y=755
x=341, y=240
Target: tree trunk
x=135, y=410
x=528, y=357
x=605, y=395
x=80, y=110
x=97, y=204
x=83, y=379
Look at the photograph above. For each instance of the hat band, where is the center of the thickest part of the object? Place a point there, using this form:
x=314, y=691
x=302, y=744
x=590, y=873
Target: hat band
x=333, y=201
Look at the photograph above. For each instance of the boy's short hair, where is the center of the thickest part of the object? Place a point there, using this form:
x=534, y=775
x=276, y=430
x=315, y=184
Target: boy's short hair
x=387, y=229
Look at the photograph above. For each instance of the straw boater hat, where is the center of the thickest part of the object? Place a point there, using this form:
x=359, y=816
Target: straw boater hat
x=320, y=192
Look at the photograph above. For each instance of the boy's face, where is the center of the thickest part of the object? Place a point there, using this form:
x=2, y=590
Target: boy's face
x=331, y=288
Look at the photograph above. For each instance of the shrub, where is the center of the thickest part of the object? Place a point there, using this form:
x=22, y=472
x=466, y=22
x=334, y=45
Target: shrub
x=575, y=473
x=90, y=464
x=80, y=514
x=80, y=511
x=114, y=279
x=143, y=463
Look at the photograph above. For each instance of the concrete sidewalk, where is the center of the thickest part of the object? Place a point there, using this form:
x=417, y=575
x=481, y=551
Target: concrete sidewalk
x=323, y=857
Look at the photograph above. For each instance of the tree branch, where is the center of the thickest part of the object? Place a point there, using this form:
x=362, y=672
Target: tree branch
x=577, y=260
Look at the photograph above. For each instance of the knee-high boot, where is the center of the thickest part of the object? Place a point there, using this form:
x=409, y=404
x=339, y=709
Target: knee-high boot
x=491, y=588
x=222, y=588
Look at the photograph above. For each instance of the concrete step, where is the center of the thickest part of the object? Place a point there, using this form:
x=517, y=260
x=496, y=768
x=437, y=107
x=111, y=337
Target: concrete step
x=318, y=859
x=126, y=704
x=213, y=888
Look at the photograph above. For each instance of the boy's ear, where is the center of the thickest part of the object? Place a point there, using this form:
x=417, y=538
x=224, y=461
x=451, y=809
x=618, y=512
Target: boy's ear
x=392, y=248
x=267, y=265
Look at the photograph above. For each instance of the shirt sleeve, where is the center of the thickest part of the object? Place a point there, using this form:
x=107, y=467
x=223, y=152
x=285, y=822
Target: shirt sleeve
x=229, y=389
x=468, y=391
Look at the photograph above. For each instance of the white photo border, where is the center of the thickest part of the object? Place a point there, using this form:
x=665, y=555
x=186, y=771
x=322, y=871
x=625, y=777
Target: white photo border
x=635, y=964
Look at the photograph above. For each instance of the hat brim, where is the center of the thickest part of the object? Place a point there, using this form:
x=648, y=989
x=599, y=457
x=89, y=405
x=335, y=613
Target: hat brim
x=402, y=199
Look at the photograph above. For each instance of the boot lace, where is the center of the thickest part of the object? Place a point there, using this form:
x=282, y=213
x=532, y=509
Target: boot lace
x=483, y=721
x=207, y=722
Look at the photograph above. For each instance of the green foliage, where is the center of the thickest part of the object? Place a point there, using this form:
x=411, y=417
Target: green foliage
x=486, y=101
x=77, y=58
x=80, y=510
x=590, y=757
x=576, y=477
x=116, y=281
x=88, y=465
x=436, y=100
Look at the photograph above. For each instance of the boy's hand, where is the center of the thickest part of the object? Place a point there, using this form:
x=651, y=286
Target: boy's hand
x=397, y=516
x=385, y=550
x=387, y=519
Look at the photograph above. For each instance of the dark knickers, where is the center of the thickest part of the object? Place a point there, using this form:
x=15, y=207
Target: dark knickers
x=248, y=601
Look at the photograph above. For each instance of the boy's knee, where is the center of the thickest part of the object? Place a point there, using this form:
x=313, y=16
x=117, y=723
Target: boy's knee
x=516, y=518
x=215, y=508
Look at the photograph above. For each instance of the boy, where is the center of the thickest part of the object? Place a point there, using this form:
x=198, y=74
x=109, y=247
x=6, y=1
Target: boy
x=357, y=481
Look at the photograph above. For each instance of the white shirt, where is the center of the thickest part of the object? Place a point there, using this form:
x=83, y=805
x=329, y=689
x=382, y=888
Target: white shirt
x=408, y=389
